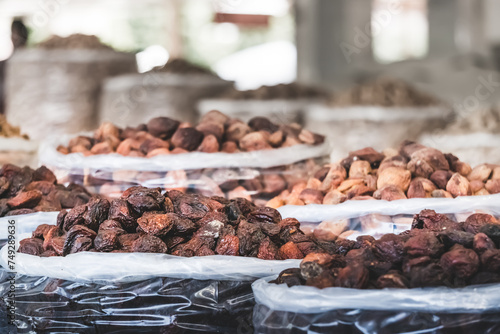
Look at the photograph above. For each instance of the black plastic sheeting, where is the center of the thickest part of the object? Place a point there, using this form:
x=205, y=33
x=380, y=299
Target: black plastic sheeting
x=159, y=305
x=270, y=321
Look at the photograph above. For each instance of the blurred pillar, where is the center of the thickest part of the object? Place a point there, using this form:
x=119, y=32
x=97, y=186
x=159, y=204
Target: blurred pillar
x=456, y=27
x=173, y=42
x=333, y=37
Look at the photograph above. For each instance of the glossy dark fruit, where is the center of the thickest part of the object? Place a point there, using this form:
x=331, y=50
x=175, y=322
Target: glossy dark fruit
x=162, y=127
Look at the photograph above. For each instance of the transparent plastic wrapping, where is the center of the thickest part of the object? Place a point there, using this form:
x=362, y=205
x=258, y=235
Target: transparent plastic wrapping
x=303, y=309
x=91, y=292
x=257, y=175
x=125, y=267
x=377, y=217
x=156, y=305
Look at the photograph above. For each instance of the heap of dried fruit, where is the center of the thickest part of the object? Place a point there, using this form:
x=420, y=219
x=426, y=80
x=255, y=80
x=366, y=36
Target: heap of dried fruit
x=8, y=130
x=435, y=252
x=144, y=220
x=415, y=171
x=75, y=41
x=282, y=91
x=387, y=92
x=24, y=190
x=216, y=132
x=181, y=66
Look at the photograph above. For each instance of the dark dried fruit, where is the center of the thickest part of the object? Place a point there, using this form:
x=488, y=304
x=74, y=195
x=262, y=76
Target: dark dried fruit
x=460, y=262
x=162, y=127
x=191, y=207
x=490, y=260
x=106, y=240
x=143, y=199
x=187, y=138
x=31, y=246
x=149, y=244
x=228, y=245
x=355, y=276
x=26, y=199
x=290, y=277
x=97, y=212
x=482, y=243
x=156, y=223
x=120, y=211
x=75, y=217
x=78, y=239
x=389, y=248
x=267, y=250
x=474, y=222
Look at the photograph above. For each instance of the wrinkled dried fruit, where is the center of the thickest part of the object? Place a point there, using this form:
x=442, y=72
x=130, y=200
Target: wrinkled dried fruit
x=187, y=138
x=162, y=127
x=26, y=199
x=482, y=243
x=475, y=221
x=149, y=244
x=424, y=245
x=31, y=246
x=460, y=262
x=78, y=239
x=156, y=223
x=106, y=240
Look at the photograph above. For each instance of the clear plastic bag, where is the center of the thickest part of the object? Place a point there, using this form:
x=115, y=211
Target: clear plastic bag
x=156, y=305
x=92, y=292
x=377, y=217
x=257, y=175
x=304, y=309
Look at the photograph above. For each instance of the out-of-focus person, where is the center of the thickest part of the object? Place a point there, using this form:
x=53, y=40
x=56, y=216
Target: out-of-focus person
x=19, y=37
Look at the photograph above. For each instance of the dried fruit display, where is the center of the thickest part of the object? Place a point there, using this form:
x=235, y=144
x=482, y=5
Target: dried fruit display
x=144, y=220
x=216, y=132
x=75, y=41
x=387, y=92
x=282, y=91
x=24, y=190
x=182, y=66
x=437, y=251
x=413, y=171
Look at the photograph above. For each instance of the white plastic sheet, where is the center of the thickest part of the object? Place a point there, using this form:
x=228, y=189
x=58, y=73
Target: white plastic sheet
x=353, y=209
x=306, y=299
x=124, y=267
x=195, y=160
